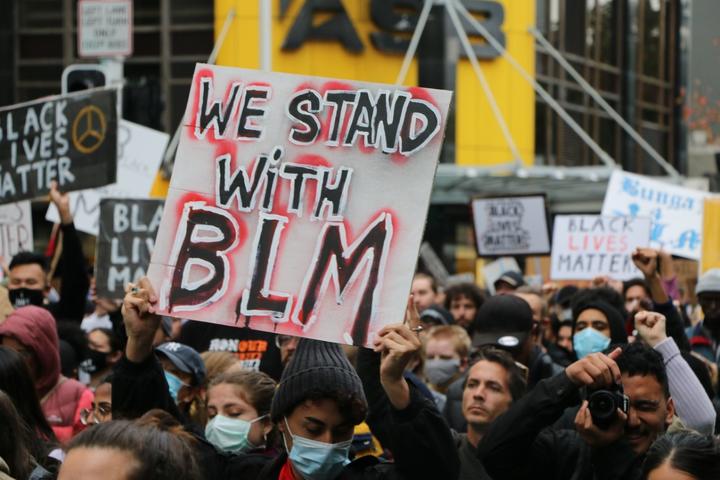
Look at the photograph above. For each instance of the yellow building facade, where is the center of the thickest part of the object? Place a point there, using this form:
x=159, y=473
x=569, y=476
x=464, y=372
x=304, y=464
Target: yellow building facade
x=478, y=138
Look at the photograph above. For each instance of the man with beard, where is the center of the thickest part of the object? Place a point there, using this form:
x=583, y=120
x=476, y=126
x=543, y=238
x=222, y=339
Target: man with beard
x=593, y=449
x=705, y=336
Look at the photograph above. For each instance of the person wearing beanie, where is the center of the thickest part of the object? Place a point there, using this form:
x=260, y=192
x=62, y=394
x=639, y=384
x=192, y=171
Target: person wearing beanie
x=596, y=325
x=318, y=402
x=705, y=336
x=31, y=331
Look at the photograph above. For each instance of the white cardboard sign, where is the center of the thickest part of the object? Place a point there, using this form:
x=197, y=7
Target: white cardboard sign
x=105, y=28
x=140, y=152
x=16, y=232
x=297, y=204
x=676, y=212
x=586, y=246
x=510, y=225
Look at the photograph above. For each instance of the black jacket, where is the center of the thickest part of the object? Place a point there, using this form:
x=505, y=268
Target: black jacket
x=74, y=279
x=521, y=444
x=140, y=387
x=419, y=438
x=540, y=366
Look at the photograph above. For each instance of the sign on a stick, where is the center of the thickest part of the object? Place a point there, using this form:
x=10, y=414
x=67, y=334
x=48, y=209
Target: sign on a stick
x=297, y=204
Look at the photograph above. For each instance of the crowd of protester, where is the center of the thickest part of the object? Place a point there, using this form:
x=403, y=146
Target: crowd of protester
x=608, y=380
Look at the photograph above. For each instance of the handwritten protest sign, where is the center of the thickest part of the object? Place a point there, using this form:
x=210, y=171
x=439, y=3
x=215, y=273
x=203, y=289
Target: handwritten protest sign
x=510, y=225
x=675, y=212
x=491, y=271
x=586, y=246
x=140, y=151
x=297, y=204
x=70, y=138
x=127, y=235
x=16, y=232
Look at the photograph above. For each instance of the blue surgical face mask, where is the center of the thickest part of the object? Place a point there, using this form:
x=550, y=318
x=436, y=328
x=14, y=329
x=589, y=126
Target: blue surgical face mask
x=174, y=385
x=317, y=460
x=589, y=341
x=230, y=434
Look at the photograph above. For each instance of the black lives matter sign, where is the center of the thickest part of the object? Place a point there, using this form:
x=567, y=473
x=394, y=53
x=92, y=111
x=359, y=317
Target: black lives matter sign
x=70, y=138
x=125, y=243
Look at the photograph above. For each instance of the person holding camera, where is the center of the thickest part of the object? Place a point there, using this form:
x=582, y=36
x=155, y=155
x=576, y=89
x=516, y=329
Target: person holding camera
x=625, y=404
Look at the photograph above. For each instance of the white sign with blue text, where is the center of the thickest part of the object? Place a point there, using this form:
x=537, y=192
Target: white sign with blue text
x=676, y=212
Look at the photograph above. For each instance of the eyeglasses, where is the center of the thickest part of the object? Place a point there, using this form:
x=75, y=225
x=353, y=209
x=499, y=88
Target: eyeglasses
x=100, y=413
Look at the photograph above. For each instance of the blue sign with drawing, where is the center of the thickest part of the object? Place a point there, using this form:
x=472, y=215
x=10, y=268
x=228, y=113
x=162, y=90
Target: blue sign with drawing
x=675, y=212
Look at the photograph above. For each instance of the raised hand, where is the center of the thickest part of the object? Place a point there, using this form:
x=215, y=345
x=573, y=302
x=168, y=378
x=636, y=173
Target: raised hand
x=646, y=260
x=141, y=322
x=62, y=202
x=651, y=327
x=398, y=345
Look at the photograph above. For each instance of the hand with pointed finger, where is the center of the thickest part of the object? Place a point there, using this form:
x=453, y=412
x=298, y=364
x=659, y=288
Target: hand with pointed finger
x=596, y=370
x=598, y=437
x=651, y=327
x=141, y=322
x=398, y=346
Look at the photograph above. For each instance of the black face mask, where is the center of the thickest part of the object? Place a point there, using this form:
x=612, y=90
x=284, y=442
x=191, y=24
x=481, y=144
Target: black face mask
x=22, y=297
x=95, y=362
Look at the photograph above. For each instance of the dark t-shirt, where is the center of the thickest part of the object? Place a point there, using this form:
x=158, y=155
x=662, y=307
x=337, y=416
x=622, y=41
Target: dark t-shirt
x=256, y=350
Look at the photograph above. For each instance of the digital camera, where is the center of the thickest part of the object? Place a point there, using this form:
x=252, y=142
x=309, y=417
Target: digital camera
x=604, y=404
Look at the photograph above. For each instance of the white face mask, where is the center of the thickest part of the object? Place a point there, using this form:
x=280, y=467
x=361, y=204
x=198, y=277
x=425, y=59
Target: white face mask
x=230, y=434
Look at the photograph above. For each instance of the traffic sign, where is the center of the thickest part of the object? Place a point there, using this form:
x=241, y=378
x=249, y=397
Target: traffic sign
x=105, y=28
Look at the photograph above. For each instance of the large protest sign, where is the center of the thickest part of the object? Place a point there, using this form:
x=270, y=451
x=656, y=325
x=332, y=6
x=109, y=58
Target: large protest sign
x=586, y=246
x=140, y=152
x=675, y=212
x=16, y=232
x=510, y=225
x=70, y=138
x=297, y=204
x=127, y=236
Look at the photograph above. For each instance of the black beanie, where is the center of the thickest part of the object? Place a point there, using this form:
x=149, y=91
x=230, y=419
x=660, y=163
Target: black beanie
x=316, y=370
x=614, y=318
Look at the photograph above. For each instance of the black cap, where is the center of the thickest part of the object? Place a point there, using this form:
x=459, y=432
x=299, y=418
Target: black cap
x=185, y=359
x=512, y=278
x=503, y=320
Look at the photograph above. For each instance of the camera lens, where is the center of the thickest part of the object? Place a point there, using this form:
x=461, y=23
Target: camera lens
x=602, y=405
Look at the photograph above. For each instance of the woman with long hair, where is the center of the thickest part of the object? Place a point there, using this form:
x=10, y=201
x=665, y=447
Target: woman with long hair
x=16, y=382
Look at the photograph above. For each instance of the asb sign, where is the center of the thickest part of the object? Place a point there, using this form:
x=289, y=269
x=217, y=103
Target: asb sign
x=367, y=39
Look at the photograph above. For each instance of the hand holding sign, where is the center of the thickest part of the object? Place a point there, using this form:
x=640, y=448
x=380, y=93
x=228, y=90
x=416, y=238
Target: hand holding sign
x=646, y=260
x=141, y=322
